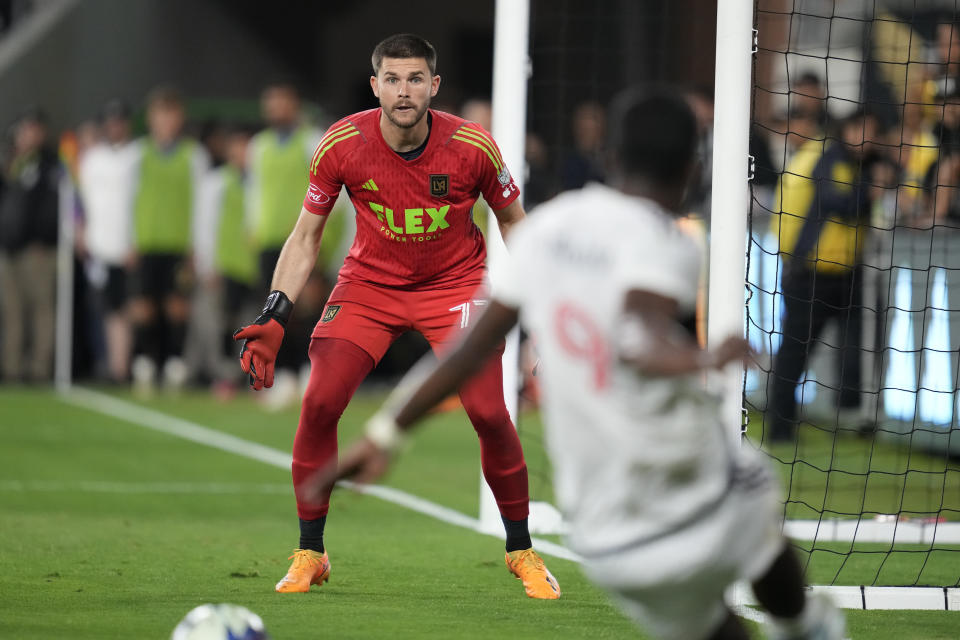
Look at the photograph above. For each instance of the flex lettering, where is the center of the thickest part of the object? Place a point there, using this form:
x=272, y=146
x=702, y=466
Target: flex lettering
x=413, y=219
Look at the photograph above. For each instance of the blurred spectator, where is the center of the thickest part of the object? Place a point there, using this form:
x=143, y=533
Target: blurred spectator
x=699, y=192
x=278, y=156
x=539, y=183
x=277, y=181
x=213, y=137
x=822, y=202
x=947, y=130
x=585, y=162
x=918, y=151
x=107, y=177
x=947, y=55
x=226, y=266
x=171, y=169
x=478, y=110
x=807, y=116
x=941, y=190
x=29, y=219
x=943, y=177
x=809, y=100
x=88, y=351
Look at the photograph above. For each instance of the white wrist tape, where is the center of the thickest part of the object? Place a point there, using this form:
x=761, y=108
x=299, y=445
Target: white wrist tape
x=384, y=432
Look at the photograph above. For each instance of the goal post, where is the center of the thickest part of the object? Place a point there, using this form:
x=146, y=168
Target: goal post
x=730, y=196
x=510, y=73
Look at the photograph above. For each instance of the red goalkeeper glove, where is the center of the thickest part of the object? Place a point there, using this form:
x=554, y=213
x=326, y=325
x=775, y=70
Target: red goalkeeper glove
x=261, y=340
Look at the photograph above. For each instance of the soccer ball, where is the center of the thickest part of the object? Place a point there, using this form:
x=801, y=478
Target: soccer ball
x=220, y=622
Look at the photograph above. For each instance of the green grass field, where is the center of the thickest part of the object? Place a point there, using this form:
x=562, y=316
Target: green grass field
x=111, y=530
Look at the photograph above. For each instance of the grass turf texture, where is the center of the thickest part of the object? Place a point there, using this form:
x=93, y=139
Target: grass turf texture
x=845, y=474
x=130, y=557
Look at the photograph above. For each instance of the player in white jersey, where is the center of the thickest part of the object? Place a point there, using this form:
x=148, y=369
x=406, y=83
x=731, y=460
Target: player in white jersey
x=664, y=507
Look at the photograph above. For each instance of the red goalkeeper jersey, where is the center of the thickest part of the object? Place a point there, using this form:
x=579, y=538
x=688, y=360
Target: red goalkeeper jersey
x=414, y=224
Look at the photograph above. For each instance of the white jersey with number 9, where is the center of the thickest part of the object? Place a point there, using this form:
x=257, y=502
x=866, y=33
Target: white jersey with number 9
x=633, y=457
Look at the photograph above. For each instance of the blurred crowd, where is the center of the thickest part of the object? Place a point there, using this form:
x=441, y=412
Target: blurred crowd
x=174, y=237
x=848, y=178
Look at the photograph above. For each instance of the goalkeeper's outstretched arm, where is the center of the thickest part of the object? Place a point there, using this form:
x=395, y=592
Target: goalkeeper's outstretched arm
x=261, y=340
x=299, y=255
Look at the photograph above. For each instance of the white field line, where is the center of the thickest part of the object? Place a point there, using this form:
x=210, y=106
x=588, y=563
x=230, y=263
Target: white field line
x=171, y=425
x=143, y=417
x=887, y=532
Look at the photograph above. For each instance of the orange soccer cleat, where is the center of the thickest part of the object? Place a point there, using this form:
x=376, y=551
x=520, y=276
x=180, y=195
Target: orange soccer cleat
x=309, y=567
x=537, y=579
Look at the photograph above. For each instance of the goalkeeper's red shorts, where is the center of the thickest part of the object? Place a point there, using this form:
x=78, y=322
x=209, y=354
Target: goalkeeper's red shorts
x=372, y=317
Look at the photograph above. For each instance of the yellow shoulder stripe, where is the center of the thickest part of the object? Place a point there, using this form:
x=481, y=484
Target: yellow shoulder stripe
x=323, y=148
x=333, y=132
x=485, y=140
x=327, y=137
x=493, y=159
x=496, y=165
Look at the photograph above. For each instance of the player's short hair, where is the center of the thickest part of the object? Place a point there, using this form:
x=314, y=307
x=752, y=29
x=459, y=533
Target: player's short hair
x=404, y=45
x=653, y=134
x=165, y=97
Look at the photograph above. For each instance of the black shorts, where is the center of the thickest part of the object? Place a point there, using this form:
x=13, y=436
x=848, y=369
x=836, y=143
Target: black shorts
x=159, y=275
x=114, y=290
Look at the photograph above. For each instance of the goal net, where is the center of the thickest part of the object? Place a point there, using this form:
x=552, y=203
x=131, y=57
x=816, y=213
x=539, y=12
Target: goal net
x=863, y=431
x=853, y=285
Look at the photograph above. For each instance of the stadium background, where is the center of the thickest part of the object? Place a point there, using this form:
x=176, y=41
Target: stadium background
x=221, y=54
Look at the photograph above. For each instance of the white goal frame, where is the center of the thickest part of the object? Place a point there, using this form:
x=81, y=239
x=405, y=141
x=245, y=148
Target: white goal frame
x=727, y=267
x=730, y=205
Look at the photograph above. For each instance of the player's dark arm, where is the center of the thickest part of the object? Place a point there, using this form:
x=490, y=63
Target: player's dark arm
x=457, y=367
x=656, y=344
x=509, y=216
x=368, y=458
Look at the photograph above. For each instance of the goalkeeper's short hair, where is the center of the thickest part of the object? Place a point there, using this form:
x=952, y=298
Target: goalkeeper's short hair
x=653, y=135
x=404, y=45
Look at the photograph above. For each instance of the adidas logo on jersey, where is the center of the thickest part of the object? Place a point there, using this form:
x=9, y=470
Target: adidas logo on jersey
x=370, y=185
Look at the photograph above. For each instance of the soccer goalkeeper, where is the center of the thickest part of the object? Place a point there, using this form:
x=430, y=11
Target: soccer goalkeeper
x=417, y=263
x=665, y=510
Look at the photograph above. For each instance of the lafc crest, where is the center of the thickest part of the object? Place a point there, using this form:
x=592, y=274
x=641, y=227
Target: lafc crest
x=330, y=312
x=439, y=184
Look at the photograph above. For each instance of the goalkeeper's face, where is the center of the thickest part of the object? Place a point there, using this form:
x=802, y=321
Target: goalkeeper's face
x=404, y=87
